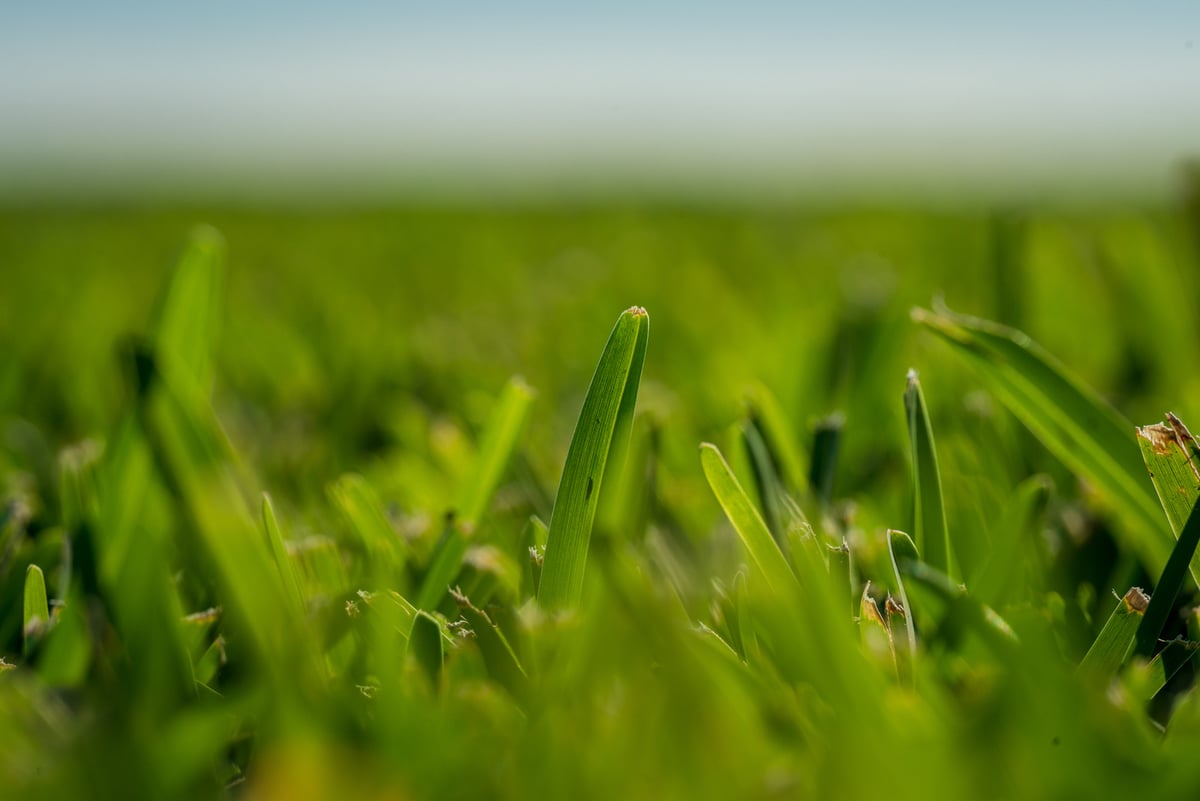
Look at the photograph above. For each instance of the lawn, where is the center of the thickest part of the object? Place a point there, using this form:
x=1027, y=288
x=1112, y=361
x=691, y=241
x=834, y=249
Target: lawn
x=599, y=500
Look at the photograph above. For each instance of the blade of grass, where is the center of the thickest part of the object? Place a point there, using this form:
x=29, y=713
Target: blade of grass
x=748, y=523
x=37, y=609
x=499, y=441
x=1071, y=420
x=189, y=310
x=283, y=562
x=1173, y=461
x=929, y=510
x=1111, y=645
x=1166, y=590
x=899, y=542
x=426, y=648
x=827, y=443
x=443, y=566
x=603, y=429
x=498, y=656
x=362, y=509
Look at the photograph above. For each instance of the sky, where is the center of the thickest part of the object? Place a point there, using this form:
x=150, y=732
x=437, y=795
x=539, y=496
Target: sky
x=284, y=90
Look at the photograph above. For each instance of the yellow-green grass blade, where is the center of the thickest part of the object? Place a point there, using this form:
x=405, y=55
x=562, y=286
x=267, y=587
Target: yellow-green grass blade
x=1111, y=645
x=747, y=522
x=500, y=438
x=1173, y=461
x=900, y=546
x=37, y=609
x=426, y=648
x=603, y=430
x=929, y=509
x=443, y=566
x=1071, y=420
x=1015, y=533
x=363, y=511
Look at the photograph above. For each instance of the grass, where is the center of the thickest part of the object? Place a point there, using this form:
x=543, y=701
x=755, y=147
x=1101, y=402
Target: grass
x=273, y=520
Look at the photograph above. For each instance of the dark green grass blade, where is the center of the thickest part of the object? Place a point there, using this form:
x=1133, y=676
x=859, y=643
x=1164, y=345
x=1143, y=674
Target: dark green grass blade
x=929, y=509
x=426, y=648
x=602, y=430
x=748, y=523
x=500, y=438
x=1173, y=460
x=498, y=655
x=1166, y=590
x=1070, y=419
x=37, y=609
x=1111, y=645
x=827, y=444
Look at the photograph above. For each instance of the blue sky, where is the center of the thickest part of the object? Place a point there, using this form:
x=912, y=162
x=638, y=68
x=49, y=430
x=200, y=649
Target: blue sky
x=749, y=88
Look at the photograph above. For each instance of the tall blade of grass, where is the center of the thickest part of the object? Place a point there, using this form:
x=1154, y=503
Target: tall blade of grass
x=900, y=546
x=827, y=443
x=929, y=510
x=602, y=431
x=1166, y=590
x=777, y=433
x=766, y=481
x=748, y=523
x=443, y=566
x=1079, y=428
x=188, y=312
x=1173, y=461
x=499, y=441
x=1111, y=645
x=362, y=509
x=37, y=609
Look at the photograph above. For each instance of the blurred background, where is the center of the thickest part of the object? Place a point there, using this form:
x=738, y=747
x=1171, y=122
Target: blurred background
x=765, y=98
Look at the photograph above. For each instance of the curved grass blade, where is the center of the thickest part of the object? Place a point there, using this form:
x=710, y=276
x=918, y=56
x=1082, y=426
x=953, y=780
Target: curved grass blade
x=498, y=655
x=1111, y=645
x=602, y=432
x=929, y=509
x=363, y=510
x=1173, y=461
x=443, y=566
x=499, y=441
x=1071, y=420
x=426, y=647
x=900, y=543
x=748, y=523
x=37, y=609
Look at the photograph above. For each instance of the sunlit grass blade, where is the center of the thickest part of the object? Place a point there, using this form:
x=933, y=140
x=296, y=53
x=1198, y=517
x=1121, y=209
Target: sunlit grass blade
x=361, y=507
x=1111, y=645
x=750, y=527
x=1172, y=459
x=1167, y=588
x=500, y=438
x=37, y=609
x=929, y=509
x=1070, y=419
x=603, y=430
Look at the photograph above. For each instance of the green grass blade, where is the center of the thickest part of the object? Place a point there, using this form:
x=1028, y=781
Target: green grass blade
x=189, y=310
x=748, y=523
x=1111, y=645
x=498, y=655
x=1071, y=420
x=443, y=566
x=900, y=546
x=37, y=609
x=929, y=509
x=1173, y=461
x=283, y=562
x=426, y=648
x=499, y=441
x=363, y=510
x=602, y=430
x=827, y=444
x=1170, y=582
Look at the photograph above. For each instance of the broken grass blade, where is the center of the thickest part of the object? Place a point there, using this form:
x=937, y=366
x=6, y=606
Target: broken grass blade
x=602, y=431
x=1070, y=419
x=496, y=446
x=1111, y=645
x=37, y=609
x=1171, y=456
x=900, y=546
x=929, y=510
x=1170, y=582
x=746, y=520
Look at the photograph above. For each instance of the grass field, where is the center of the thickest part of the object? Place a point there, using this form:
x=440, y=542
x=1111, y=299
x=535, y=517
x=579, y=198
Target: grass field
x=301, y=504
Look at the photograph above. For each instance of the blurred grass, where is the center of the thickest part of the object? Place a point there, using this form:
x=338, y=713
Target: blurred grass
x=357, y=363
